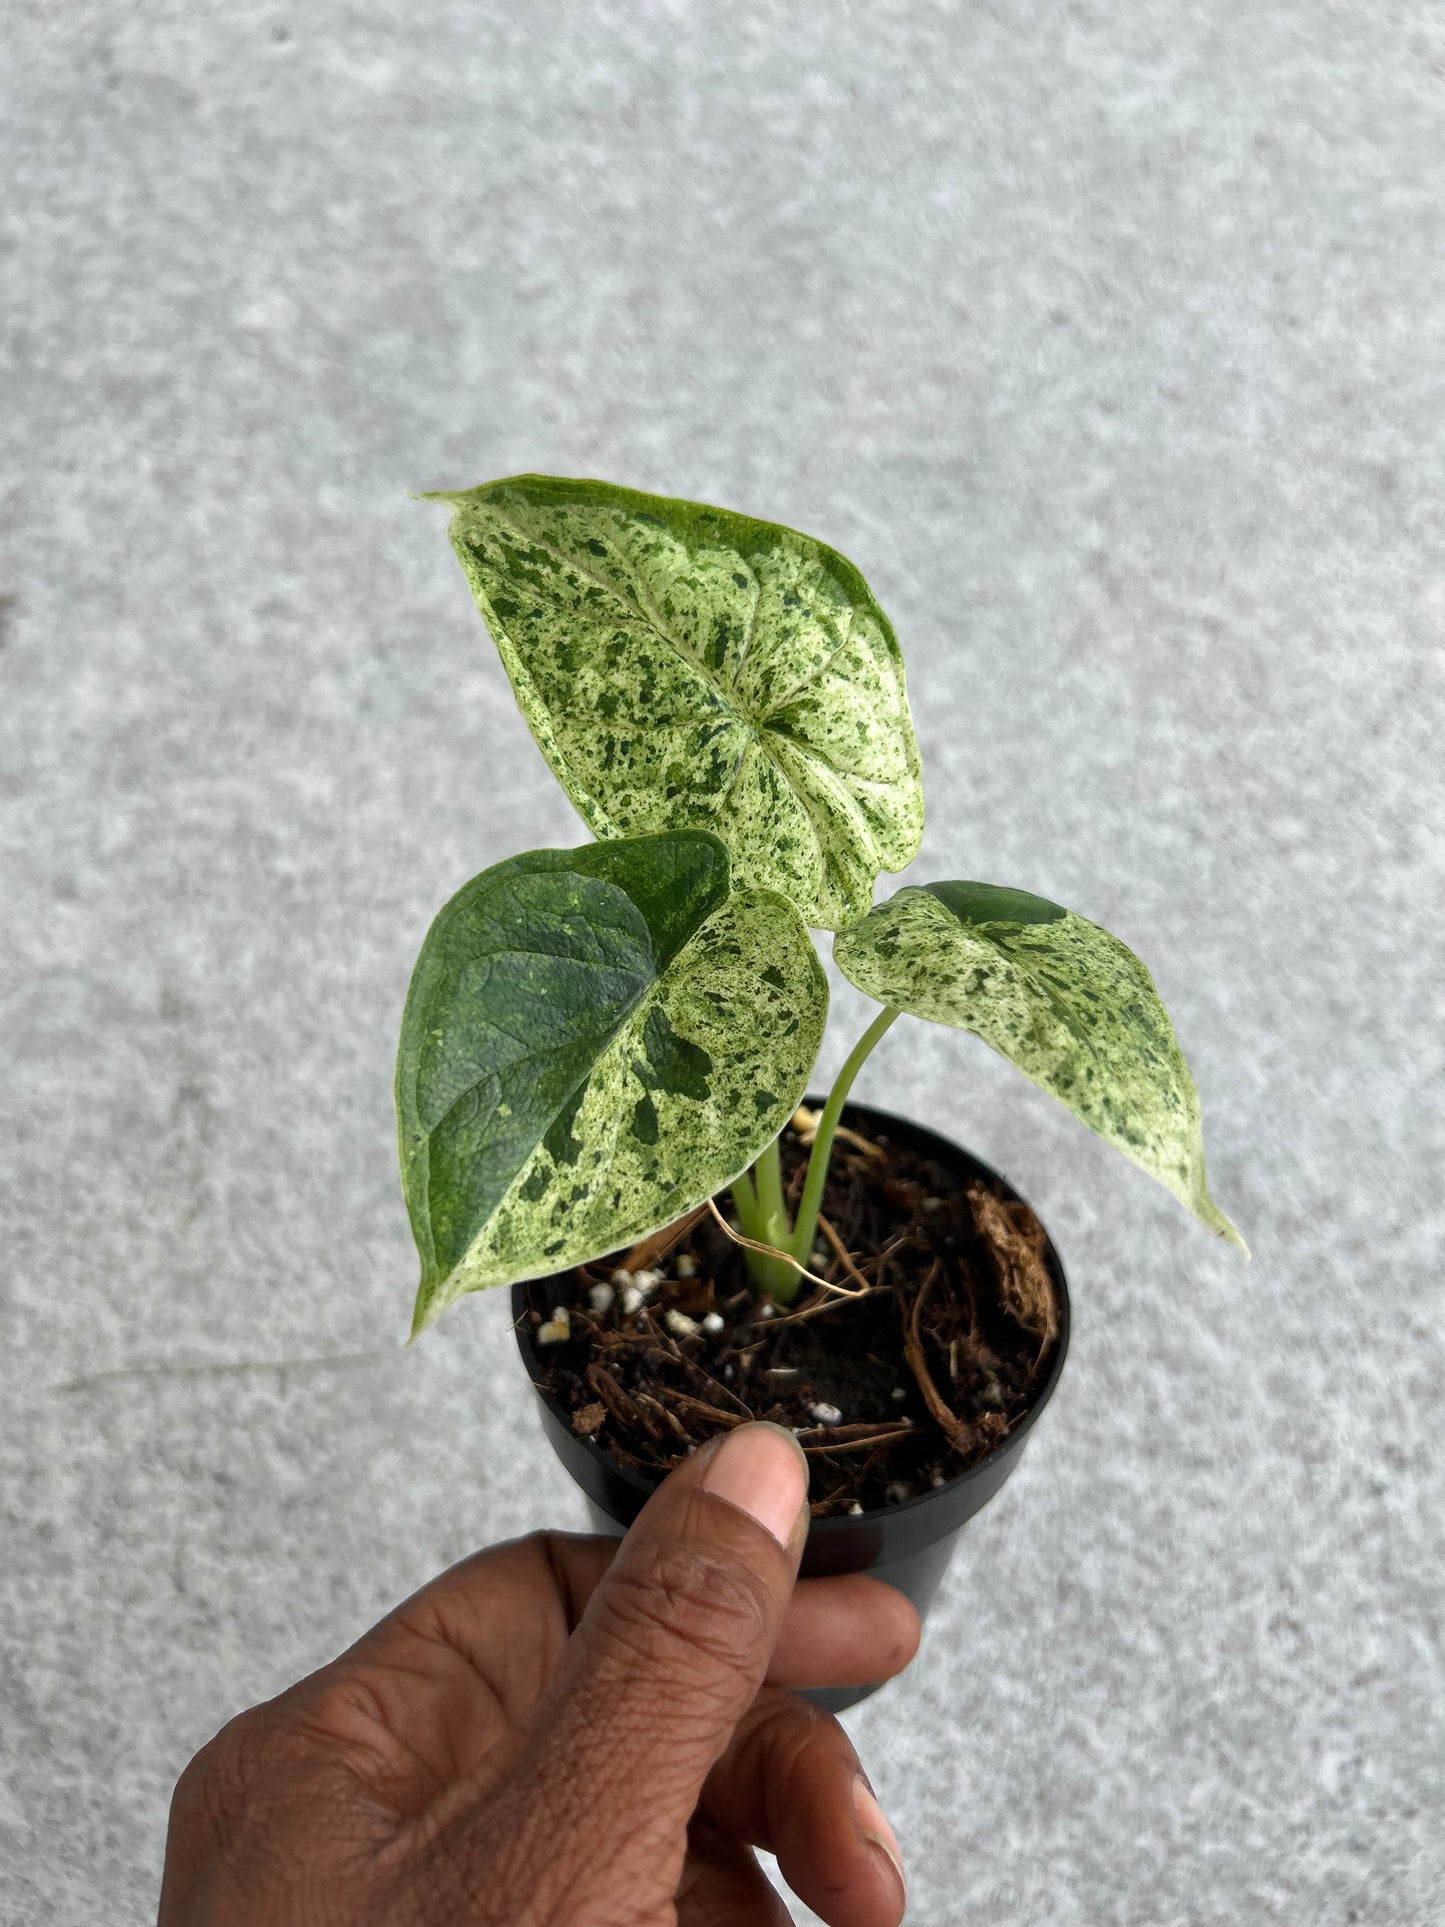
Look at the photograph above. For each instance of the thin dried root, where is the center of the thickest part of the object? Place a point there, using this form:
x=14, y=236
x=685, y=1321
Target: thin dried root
x=612, y=1396
x=963, y=1438
x=671, y=1419
x=844, y=1259
x=942, y=1414
x=864, y=1432
x=815, y=1305
x=712, y=1413
x=768, y=1251
x=858, y=1445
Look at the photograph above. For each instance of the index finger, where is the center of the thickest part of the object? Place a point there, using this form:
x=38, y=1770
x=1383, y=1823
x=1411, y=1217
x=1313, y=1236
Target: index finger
x=848, y=1630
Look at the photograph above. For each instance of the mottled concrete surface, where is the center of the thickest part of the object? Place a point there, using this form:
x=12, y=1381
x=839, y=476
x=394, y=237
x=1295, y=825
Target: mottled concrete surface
x=1107, y=340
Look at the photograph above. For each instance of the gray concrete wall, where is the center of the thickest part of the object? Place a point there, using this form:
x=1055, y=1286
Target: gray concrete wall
x=1107, y=340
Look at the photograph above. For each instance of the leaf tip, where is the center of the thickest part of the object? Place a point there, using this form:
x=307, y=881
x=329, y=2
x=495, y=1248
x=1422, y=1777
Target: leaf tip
x=426, y=1311
x=1213, y=1219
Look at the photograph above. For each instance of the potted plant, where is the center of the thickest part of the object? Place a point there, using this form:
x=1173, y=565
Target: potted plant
x=605, y=1051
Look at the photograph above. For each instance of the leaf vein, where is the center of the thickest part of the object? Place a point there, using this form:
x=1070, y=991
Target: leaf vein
x=632, y=601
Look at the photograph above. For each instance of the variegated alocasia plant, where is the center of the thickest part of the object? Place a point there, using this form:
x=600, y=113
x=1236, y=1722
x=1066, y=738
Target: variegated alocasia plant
x=597, y=1040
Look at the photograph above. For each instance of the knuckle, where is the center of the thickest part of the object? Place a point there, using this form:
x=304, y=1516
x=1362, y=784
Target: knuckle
x=212, y=1787
x=691, y=1600
x=218, y=1814
x=794, y=1728
x=348, y=1710
x=263, y=1797
x=257, y=1766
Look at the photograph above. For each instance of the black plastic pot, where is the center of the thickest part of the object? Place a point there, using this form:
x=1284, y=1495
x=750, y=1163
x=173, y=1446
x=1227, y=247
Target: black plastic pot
x=909, y=1545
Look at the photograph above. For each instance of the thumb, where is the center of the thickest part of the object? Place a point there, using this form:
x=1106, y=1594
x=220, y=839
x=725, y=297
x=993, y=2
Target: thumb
x=675, y=1641
x=668, y=1656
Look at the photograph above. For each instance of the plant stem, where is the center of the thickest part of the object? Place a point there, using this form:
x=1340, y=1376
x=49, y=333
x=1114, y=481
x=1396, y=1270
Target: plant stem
x=768, y=1174
x=811, y=1201
x=745, y=1203
x=771, y=1276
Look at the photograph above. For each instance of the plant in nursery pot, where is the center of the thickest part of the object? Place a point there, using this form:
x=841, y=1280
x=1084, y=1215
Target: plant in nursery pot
x=605, y=1051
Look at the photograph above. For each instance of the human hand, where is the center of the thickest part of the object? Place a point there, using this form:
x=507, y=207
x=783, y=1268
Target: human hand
x=570, y=1732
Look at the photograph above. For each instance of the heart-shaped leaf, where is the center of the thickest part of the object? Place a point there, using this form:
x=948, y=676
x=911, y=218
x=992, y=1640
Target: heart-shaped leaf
x=594, y=1041
x=1069, y=1004
x=684, y=667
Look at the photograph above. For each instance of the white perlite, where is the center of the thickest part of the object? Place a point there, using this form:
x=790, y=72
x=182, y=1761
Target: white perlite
x=680, y=1325
x=825, y=1414
x=713, y=1323
x=601, y=1298
x=558, y=1328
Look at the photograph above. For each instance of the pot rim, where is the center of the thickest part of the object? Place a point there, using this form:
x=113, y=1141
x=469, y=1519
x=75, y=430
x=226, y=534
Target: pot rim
x=843, y=1521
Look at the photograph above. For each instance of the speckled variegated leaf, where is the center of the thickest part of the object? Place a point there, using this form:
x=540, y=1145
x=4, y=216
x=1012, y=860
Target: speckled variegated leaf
x=685, y=667
x=1056, y=995
x=594, y=1041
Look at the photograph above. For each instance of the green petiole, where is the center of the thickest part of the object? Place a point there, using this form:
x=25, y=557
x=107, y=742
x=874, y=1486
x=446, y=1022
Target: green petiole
x=763, y=1212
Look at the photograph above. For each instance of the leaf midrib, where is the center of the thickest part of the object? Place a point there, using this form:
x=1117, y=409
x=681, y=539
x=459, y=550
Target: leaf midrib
x=1033, y=979
x=633, y=602
x=643, y=607
x=587, y=963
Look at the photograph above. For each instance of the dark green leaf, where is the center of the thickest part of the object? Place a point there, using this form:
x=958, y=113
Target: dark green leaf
x=586, y=1041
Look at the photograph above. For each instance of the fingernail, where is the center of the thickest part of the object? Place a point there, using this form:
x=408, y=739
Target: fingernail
x=876, y=1828
x=761, y=1469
